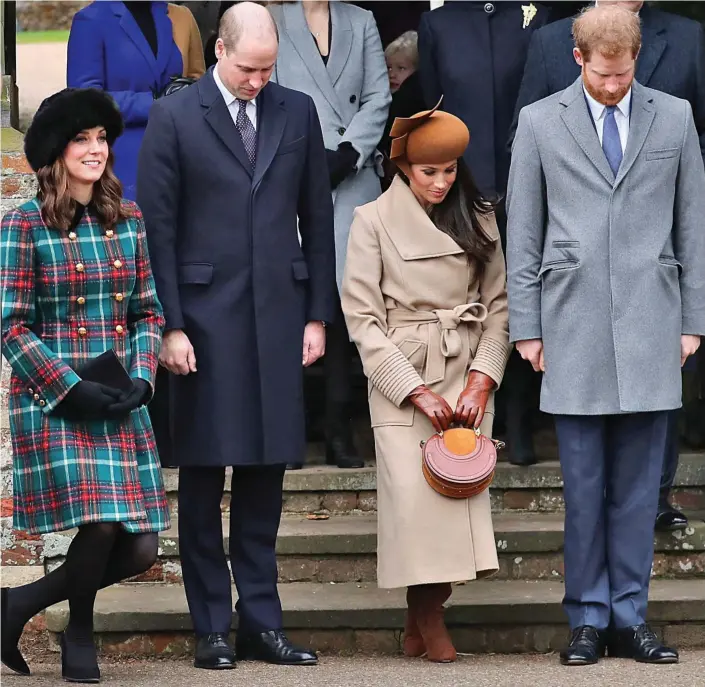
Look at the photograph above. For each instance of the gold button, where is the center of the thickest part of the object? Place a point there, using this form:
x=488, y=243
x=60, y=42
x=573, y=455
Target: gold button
x=42, y=403
x=118, y=264
x=80, y=267
x=36, y=397
x=72, y=235
x=80, y=300
x=110, y=233
x=119, y=329
x=119, y=297
x=82, y=331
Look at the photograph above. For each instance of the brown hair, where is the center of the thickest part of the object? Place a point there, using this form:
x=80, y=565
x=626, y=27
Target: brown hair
x=610, y=30
x=58, y=207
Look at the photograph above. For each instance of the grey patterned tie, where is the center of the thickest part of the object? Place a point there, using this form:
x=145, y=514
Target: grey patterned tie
x=247, y=132
x=611, y=143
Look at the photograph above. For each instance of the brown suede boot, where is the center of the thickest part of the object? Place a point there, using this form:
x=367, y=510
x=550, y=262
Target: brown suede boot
x=439, y=646
x=413, y=642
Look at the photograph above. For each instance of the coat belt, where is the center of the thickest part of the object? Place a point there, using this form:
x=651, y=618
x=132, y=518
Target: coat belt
x=443, y=339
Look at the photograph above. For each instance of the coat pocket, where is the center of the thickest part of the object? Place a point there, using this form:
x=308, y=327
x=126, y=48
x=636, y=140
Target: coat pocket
x=662, y=154
x=196, y=273
x=670, y=261
x=558, y=265
x=383, y=413
x=291, y=146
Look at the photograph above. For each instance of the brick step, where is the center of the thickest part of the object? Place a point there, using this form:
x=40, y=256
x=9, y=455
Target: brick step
x=536, y=488
x=486, y=616
x=343, y=549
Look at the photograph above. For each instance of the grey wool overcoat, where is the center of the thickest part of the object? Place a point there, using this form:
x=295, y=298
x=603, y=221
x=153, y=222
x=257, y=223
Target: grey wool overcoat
x=351, y=94
x=608, y=271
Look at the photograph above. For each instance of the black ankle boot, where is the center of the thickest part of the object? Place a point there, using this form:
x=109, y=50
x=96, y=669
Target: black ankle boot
x=79, y=660
x=9, y=652
x=340, y=448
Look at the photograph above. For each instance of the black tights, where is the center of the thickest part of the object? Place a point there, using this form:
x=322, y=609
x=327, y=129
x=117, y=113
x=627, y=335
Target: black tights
x=100, y=555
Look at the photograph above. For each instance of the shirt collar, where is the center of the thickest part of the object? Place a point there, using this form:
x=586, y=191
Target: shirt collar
x=227, y=95
x=598, y=109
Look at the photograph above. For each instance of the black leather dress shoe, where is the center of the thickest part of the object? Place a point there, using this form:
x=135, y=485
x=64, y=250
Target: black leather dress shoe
x=10, y=653
x=272, y=647
x=523, y=460
x=214, y=653
x=669, y=519
x=640, y=643
x=587, y=646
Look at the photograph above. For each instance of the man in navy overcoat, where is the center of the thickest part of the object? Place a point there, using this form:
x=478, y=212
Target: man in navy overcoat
x=230, y=168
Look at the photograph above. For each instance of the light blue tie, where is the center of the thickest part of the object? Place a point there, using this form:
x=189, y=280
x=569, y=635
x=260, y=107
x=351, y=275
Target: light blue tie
x=610, y=140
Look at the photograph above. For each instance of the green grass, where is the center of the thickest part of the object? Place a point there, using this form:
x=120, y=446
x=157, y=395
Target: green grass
x=42, y=37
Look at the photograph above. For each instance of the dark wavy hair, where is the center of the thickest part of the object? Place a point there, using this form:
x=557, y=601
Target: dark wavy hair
x=459, y=214
x=59, y=208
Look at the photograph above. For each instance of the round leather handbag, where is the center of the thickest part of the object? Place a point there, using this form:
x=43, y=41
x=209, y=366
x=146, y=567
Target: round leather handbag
x=459, y=463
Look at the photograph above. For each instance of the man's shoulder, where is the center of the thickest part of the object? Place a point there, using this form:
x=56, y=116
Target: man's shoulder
x=291, y=98
x=683, y=28
x=663, y=102
x=546, y=106
x=554, y=35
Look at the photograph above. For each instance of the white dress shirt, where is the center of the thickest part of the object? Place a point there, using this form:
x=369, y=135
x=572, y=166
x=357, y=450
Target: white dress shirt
x=233, y=103
x=621, y=116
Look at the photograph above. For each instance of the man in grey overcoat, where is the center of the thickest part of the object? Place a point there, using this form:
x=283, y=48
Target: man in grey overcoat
x=606, y=279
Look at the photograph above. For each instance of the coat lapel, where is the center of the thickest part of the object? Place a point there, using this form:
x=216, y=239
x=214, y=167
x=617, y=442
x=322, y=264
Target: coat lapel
x=576, y=116
x=304, y=43
x=270, y=129
x=165, y=40
x=129, y=26
x=409, y=228
x=654, y=44
x=340, y=42
x=640, y=122
x=218, y=117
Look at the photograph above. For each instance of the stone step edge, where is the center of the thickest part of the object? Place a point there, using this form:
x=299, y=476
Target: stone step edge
x=159, y=608
x=544, y=475
x=341, y=535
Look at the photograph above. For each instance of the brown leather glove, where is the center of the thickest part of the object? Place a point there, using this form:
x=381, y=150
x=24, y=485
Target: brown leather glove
x=473, y=400
x=433, y=406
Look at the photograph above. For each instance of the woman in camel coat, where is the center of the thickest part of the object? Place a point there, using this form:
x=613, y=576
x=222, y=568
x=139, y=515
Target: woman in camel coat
x=425, y=301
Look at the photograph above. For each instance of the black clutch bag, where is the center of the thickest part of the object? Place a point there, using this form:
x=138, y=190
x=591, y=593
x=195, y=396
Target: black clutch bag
x=107, y=369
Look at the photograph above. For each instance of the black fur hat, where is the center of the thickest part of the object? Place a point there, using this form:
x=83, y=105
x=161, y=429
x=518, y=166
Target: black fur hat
x=63, y=115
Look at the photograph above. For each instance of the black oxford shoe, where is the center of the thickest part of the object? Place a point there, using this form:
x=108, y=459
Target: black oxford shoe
x=214, y=653
x=640, y=643
x=10, y=653
x=272, y=647
x=669, y=520
x=587, y=646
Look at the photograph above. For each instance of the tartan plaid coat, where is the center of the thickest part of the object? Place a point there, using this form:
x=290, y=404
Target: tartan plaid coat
x=67, y=297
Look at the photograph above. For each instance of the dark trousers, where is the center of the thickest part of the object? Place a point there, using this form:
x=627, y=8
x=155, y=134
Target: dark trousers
x=255, y=511
x=611, y=470
x=670, y=459
x=337, y=364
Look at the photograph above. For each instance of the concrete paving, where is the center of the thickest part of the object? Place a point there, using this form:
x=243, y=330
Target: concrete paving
x=469, y=671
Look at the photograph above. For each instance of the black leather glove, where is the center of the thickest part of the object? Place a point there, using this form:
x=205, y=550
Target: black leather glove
x=341, y=163
x=128, y=402
x=87, y=401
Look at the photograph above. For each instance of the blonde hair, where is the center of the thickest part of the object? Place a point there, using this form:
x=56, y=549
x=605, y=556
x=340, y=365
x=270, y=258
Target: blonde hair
x=407, y=44
x=610, y=30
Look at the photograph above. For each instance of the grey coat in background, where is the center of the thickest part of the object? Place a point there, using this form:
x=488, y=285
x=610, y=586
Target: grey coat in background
x=351, y=95
x=608, y=272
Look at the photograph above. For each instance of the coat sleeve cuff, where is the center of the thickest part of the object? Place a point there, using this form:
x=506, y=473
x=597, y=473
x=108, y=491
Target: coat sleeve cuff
x=396, y=378
x=524, y=331
x=491, y=358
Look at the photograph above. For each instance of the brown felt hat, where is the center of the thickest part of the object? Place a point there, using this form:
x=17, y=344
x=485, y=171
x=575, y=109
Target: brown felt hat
x=428, y=138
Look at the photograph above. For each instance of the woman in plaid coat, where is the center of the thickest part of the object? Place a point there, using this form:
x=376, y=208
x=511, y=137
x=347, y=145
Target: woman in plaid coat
x=76, y=282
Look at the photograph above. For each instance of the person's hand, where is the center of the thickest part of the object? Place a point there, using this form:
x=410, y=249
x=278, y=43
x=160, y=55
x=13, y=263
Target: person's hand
x=532, y=350
x=129, y=401
x=177, y=353
x=341, y=163
x=472, y=401
x=87, y=401
x=433, y=406
x=689, y=346
x=314, y=343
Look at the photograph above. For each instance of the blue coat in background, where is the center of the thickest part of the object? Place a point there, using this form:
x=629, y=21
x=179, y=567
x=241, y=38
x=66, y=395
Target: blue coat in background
x=107, y=50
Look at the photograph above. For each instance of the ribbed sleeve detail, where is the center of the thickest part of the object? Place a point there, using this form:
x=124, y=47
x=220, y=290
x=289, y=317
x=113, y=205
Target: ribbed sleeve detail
x=396, y=378
x=491, y=358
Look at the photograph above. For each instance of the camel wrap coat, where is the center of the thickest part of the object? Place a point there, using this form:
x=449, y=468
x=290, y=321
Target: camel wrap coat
x=407, y=295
